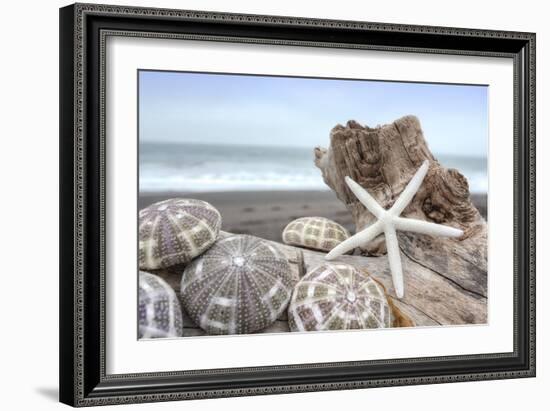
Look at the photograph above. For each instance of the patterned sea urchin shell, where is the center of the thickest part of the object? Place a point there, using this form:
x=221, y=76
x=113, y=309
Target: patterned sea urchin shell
x=338, y=297
x=175, y=231
x=318, y=233
x=159, y=310
x=239, y=286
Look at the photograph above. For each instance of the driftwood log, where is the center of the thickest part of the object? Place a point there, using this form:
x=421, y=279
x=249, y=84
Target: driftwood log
x=445, y=279
x=382, y=160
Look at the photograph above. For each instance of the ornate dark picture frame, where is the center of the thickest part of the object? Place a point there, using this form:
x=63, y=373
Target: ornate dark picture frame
x=83, y=30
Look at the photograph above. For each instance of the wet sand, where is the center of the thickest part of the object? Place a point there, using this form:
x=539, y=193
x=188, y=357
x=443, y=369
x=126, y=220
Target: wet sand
x=266, y=213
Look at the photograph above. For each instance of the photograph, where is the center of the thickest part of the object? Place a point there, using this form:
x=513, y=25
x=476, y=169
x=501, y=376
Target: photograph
x=273, y=204
x=290, y=201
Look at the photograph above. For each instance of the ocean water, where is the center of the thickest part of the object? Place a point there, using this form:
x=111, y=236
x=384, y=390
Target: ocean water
x=193, y=167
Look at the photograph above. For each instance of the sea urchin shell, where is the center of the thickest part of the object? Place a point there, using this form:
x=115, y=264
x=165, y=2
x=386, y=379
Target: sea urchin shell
x=159, y=312
x=318, y=233
x=338, y=297
x=175, y=231
x=239, y=286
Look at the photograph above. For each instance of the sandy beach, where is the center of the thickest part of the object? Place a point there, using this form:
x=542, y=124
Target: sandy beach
x=266, y=213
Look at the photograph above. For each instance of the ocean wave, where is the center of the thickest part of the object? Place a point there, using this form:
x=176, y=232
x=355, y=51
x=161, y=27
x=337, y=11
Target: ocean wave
x=477, y=182
x=257, y=182
x=203, y=168
x=230, y=182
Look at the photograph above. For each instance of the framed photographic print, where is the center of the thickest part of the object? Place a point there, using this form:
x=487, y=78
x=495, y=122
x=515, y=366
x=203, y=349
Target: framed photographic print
x=261, y=204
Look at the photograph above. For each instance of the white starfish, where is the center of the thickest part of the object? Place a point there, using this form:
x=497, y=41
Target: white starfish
x=388, y=222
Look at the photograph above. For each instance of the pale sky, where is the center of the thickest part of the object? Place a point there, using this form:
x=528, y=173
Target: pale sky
x=284, y=111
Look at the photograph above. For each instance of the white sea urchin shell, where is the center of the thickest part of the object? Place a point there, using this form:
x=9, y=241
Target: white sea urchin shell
x=318, y=233
x=175, y=231
x=338, y=297
x=240, y=285
x=159, y=311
